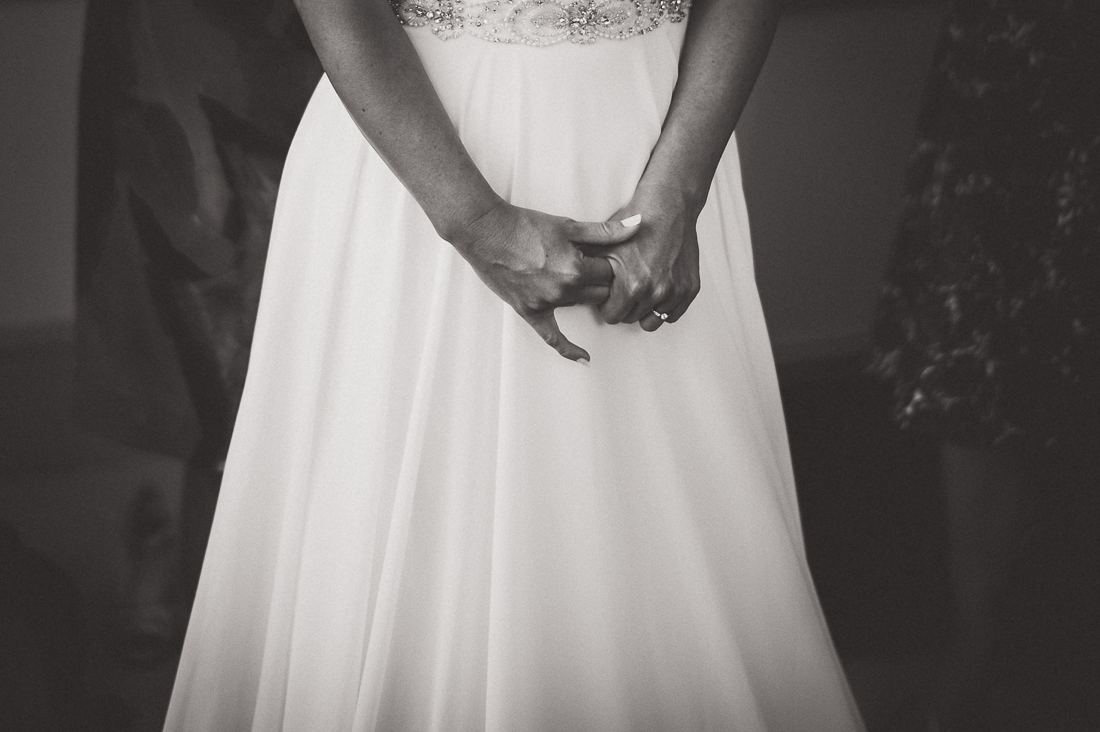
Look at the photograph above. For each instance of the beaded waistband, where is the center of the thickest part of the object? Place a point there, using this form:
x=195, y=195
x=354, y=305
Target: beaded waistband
x=540, y=22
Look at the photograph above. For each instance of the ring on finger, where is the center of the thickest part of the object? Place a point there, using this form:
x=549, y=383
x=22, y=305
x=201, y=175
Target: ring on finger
x=659, y=314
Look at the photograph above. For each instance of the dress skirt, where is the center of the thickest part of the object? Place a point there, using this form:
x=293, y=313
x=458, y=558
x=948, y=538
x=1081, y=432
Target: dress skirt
x=430, y=521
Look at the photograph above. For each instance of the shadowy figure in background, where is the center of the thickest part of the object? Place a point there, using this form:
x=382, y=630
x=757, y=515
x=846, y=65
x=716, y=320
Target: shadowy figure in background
x=187, y=108
x=989, y=330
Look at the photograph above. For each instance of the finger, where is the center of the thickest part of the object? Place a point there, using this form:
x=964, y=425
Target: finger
x=637, y=312
x=593, y=295
x=650, y=323
x=602, y=232
x=615, y=308
x=678, y=310
x=617, y=305
x=595, y=271
x=618, y=302
x=652, y=320
x=546, y=325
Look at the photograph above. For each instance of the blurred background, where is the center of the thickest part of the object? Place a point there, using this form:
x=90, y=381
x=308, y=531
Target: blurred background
x=93, y=520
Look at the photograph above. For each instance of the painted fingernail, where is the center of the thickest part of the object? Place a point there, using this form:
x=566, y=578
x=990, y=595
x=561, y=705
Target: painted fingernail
x=631, y=220
x=582, y=361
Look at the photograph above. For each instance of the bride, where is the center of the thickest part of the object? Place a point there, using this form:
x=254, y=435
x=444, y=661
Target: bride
x=429, y=519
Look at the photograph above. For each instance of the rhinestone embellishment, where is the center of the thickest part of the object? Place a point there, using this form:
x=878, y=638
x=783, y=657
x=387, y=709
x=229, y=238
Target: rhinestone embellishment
x=540, y=22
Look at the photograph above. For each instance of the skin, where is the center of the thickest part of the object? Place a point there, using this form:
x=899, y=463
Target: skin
x=534, y=261
x=724, y=48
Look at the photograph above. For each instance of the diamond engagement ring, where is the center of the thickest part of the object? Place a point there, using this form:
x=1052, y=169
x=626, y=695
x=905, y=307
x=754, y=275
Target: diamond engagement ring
x=662, y=316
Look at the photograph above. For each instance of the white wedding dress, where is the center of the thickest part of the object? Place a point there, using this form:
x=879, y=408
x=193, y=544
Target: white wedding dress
x=430, y=521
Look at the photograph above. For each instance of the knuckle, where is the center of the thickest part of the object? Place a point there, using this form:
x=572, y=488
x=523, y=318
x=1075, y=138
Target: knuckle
x=557, y=292
x=530, y=307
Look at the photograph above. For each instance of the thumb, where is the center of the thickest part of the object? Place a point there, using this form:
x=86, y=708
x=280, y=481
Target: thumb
x=603, y=232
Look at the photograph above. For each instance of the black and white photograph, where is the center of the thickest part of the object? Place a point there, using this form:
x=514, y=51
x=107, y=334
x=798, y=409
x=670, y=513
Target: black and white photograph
x=549, y=366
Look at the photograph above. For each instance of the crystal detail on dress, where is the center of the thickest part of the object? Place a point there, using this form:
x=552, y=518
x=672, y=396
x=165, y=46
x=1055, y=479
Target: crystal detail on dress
x=540, y=22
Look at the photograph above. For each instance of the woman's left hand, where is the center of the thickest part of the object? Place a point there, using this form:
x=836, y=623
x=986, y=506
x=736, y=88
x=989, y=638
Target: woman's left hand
x=657, y=271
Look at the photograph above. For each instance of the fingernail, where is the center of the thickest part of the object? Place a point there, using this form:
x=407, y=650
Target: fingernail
x=631, y=220
x=582, y=361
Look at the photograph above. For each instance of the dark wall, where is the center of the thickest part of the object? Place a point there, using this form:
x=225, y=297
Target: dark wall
x=39, y=57
x=824, y=142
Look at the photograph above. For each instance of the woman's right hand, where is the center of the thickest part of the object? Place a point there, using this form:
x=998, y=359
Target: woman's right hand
x=530, y=259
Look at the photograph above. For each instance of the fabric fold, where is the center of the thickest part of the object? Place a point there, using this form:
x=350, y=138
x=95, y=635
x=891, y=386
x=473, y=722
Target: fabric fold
x=443, y=525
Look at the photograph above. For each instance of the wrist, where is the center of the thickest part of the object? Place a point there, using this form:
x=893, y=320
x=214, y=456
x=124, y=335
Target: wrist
x=464, y=231
x=689, y=199
x=459, y=222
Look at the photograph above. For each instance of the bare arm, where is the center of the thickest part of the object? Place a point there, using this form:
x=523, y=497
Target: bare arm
x=375, y=70
x=528, y=258
x=724, y=49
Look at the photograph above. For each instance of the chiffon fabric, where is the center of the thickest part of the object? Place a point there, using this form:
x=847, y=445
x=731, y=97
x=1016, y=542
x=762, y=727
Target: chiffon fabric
x=431, y=521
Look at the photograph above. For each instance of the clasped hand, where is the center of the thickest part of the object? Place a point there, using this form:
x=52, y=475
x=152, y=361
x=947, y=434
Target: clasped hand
x=536, y=263
x=656, y=272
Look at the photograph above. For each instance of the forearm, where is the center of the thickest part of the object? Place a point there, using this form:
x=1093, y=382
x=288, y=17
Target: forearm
x=378, y=75
x=725, y=46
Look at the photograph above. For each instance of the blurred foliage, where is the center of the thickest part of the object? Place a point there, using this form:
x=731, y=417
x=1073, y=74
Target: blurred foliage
x=989, y=319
